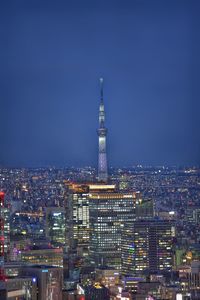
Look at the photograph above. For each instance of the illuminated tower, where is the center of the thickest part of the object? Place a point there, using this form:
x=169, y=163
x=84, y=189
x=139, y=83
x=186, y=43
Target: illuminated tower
x=102, y=132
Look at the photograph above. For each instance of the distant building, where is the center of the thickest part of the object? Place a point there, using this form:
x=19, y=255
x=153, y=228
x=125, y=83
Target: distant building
x=147, y=247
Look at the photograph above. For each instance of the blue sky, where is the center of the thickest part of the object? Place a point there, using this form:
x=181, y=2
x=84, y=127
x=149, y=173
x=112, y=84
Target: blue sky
x=51, y=57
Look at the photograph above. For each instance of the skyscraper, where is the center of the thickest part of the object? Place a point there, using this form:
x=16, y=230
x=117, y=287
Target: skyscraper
x=102, y=132
x=147, y=246
x=77, y=217
x=55, y=225
x=109, y=212
x=1, y=235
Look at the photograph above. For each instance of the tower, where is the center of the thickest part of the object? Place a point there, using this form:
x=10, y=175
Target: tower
x=102, y=132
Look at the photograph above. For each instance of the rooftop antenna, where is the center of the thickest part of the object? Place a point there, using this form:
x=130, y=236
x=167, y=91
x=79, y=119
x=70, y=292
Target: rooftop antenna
x=101, y=87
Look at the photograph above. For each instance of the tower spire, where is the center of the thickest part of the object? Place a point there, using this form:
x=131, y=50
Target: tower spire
x=101, y=88
x=102, y=132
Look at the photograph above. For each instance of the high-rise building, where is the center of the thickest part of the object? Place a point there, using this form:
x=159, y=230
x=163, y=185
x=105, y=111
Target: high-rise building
x=55, y=225
x=147, y=247
x=6, y=216
x=1, y=235
x=109, y=212
x=102, y=132
x=18, y=288
x=49, y=281
x=77, y=217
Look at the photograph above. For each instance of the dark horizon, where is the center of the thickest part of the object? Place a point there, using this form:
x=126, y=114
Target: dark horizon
x=52, y=57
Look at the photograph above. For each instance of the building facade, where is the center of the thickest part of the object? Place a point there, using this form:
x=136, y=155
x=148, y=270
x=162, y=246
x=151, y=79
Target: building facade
x=50, y=257
x=49, y=281
x=109, y=212
x=77, y=217
x=20, y=288
x=1, y=235
x=55, y=229
x=147, y=246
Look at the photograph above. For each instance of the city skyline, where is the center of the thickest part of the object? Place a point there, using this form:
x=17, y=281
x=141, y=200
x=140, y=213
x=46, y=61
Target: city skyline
x=51, y=61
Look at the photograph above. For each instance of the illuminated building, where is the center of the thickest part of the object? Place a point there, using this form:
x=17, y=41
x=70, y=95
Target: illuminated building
x=17, y=244
x=147, y=246
x=131, y=283
x=77, y=217
x=55, y=225
x=94, y=292
x=109, y=211
x=102, y=132
x=108, y=277
x=6, y=214
x=194, y=276
x=1, y=235
x=49, y=281
x=50, y=257
x=19, y=288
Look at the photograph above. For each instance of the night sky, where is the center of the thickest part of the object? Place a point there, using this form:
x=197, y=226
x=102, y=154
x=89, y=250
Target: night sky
x=52, y=54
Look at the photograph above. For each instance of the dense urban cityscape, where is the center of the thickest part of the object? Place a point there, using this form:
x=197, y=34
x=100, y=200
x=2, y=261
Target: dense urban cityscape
x=115, y=233
x=99, y=150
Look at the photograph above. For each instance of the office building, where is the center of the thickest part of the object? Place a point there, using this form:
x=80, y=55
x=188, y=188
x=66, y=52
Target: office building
x=6, y=214
x=147, y=247
x=50, y=257
x=19, y=288
x=55, y=228
x=194, y=275
x=49, y=281
x=109, y=212
x=1, y=235
x=77, y=217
